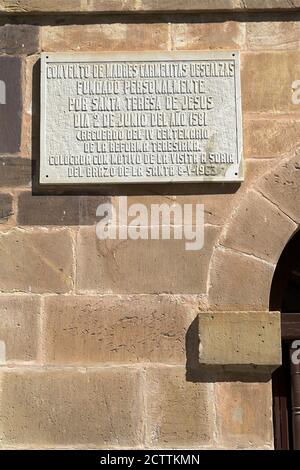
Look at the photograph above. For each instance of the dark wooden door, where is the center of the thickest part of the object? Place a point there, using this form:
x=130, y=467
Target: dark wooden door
x=286, y=386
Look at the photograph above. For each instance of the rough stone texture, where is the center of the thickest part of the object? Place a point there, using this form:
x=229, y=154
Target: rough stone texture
x=239, y=282
x=179, y=5
x=69, y=407
x=263, y=93
x=6, y=210
x=94, y=6
x=217, y=203
x=88, y=207
x=15, y=171
x=270, y=138
x=178, y=411
x=253, y=224
x=58, y=210
x=36, y=6
x=142, y=266
x=36, y=261
x=240, y=338
x=19, y=39
x=158, y=399
x=268, y=4
x=98, y=6
x=19, y=317
x=254, y=169
x=105, y=37
x=205, y=36
x=281, y=186
x=10, y=104
x=244, y=412
x=93, y=329
x=31, y=107
x=279, y=35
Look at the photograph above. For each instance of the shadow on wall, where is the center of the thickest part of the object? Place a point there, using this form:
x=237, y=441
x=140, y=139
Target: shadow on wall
x=151, y=17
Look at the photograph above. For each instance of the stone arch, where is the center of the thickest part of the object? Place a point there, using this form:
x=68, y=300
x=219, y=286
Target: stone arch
x=250, y=244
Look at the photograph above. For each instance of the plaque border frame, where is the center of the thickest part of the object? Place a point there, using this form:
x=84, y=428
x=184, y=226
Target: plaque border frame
x=113, y=56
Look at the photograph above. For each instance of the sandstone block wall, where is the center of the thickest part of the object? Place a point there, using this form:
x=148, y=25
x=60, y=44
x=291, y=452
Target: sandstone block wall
x=99, y=340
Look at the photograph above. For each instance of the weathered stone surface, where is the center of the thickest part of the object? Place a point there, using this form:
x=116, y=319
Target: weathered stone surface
x=239, y=282
x=98, y=6
x=47, y=210
x=166, y=5
x=36, y=6
x=106, y=407
x=94, y=6
x=244, y=413
x=15, y=171
x=36, y=261
x=19, y=39
x=279, y=35
x=254, y=224
x=254, y=169
x=268, y=4
x=142, y=266
x=19, y=317
x=205, y=36
x=217, y=205
x=6, y=209
x=178, y=411
x=261, y=93
x=270, y=138
x=240, y=338
x=93, y=329
x=282, y=185
x=30, y=145
x=105, y=37
x=10, y=104
x=88, y=208
x=69, y=407
x=58, y=210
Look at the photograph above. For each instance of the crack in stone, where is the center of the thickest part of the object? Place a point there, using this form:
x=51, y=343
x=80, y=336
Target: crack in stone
x=250, y=255
x=258, y=191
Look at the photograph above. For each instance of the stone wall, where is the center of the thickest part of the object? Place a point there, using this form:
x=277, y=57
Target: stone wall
x=99, y=339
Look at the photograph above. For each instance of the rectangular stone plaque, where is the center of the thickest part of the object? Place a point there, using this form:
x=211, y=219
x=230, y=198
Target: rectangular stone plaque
x=140, y=117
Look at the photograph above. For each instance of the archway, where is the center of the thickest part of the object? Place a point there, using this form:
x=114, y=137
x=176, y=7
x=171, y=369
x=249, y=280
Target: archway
x=246, y=255
x=262, y=229
x=285, y=297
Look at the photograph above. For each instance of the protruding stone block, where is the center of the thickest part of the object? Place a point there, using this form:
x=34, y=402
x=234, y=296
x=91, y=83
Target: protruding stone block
x=240, y=338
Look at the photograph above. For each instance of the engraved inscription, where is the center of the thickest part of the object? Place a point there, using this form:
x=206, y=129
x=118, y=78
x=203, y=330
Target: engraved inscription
x=140, y=118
